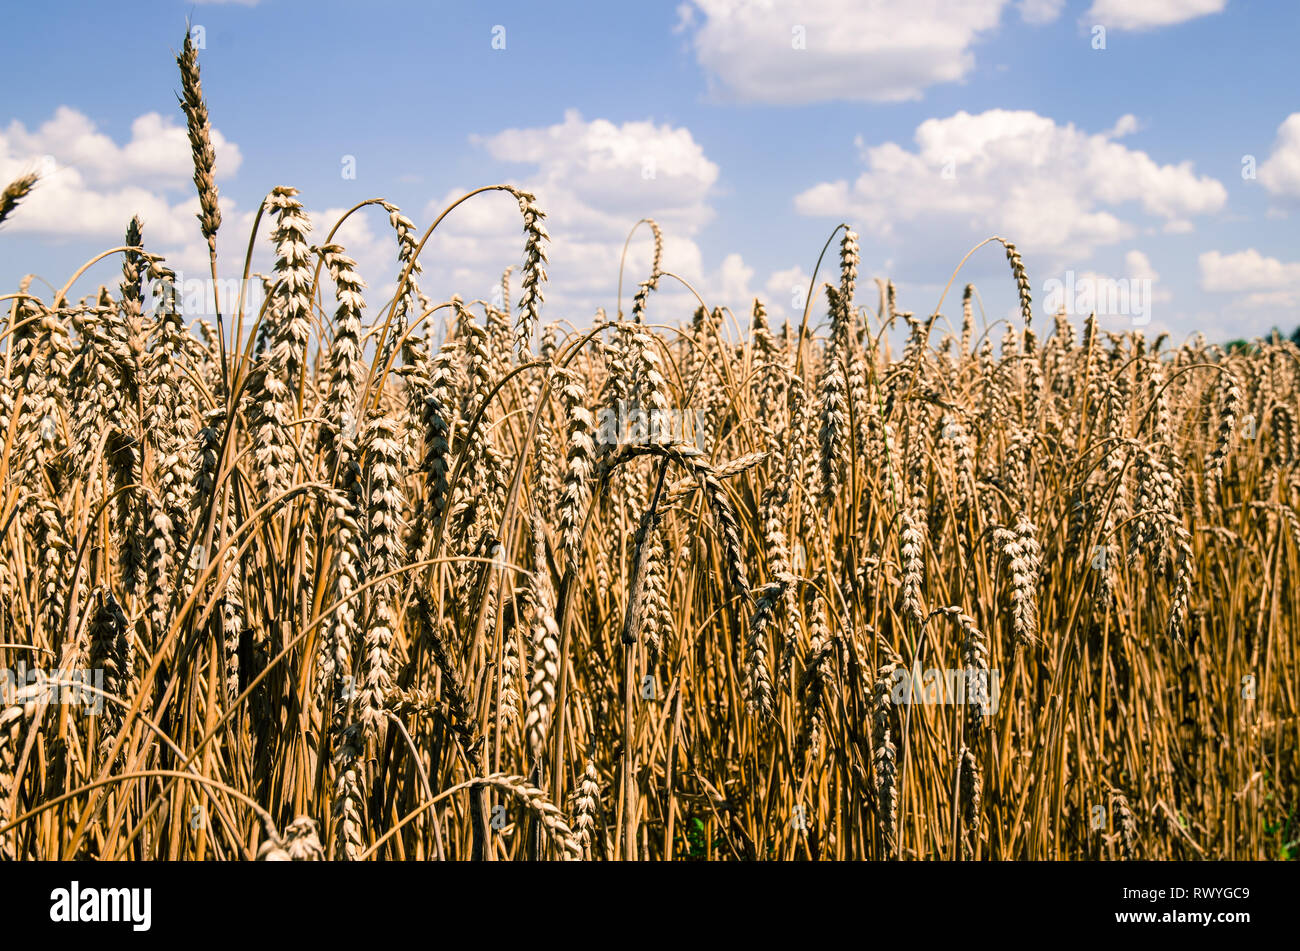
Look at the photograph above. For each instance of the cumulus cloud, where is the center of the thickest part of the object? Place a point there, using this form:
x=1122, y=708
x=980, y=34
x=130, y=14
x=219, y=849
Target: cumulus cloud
x=157, y=153
x=1149, y=14
x=594, y=179
x=1051, y=188
x=1260, y=281
x=733, y=279
x=800, y=51
x=1138, y=265
x=90, y=186
x=609, y=171
x=787, y=290
x=1265, y=291
x=1040, y=11
x=1280, y=172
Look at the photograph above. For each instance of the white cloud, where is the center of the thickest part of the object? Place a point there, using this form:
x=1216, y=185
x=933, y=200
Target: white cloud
x=1050, y=188
x=1126, y=124
x=1138, y=265
x=90, y=186
x=613, y=171
x=1149, y=14
x=1247, y=271
x=787, y=290
x=1280, y=172
x=594, y=180
x=733, y=280
x=800, y=51
x=1040, y=11
x=157, y=152
x=1265, y=288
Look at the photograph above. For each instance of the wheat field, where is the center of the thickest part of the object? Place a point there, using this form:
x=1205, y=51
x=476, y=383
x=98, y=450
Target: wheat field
x=452, y=580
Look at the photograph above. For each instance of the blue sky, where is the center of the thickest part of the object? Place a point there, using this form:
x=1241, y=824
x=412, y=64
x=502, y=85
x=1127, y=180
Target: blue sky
x=749, y=130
